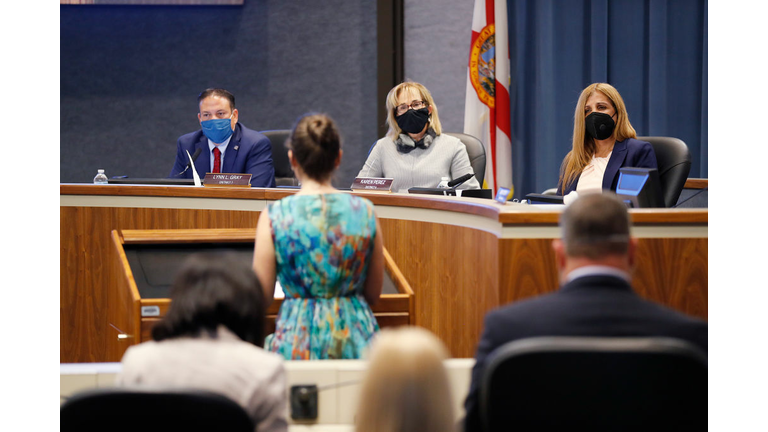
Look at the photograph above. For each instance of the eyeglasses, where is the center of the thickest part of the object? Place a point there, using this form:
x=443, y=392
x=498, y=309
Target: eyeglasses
x=417, y=104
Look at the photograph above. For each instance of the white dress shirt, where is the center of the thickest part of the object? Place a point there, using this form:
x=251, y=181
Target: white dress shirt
x=591, y=178
x=597, y=270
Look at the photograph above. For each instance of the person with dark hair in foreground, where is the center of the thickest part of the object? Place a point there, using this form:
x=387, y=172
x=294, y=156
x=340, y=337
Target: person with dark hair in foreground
x=211, y=339
x=325, y=248
x=224, y=144
x=595, y=258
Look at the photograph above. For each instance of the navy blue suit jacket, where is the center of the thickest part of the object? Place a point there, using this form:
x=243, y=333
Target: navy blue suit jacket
x=596, y=305
x=628, y=153
x=248, y=152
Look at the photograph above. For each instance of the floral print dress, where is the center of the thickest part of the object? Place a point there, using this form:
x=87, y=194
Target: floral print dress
x=323, y=246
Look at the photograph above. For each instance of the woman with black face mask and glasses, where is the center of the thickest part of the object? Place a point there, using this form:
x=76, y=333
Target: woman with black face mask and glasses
x=603, y=142
x=415, y=152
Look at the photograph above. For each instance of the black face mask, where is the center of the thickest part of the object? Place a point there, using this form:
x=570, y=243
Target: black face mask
x=413, y=121
x=599, y=125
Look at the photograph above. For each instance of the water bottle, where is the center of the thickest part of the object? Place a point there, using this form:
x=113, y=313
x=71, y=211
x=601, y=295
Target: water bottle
x=443, y=182
x=100, y=178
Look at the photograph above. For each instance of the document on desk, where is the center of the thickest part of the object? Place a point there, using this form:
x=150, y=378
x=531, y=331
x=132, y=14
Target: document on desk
x=279, y=291
x=194, y=171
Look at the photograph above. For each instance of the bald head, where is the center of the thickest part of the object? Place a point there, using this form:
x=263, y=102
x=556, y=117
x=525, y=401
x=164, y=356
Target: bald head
x=594, y=226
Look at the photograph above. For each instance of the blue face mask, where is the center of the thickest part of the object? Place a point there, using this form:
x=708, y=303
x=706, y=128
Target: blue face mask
x=217, y=130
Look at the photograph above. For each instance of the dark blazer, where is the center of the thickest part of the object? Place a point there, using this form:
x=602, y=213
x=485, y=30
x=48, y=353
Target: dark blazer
x=627, y=153
x=597, y=305
x=248, y=152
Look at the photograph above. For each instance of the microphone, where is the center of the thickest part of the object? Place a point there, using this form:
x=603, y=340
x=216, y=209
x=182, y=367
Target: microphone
x=458, y=181
x=194, y=158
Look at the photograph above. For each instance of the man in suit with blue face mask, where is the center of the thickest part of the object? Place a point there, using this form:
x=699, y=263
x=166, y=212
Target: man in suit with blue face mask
x=225, y=146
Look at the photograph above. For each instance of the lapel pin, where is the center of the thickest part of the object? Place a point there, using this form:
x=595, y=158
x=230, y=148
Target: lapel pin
x=237, y=147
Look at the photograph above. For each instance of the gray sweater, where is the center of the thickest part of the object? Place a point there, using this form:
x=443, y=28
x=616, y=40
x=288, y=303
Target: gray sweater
x=445, y=157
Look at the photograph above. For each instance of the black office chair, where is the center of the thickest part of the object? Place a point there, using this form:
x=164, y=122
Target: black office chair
x=120, y=409
x=674, y=160
x=284, y=175
x=475, y=151
x=582, y=383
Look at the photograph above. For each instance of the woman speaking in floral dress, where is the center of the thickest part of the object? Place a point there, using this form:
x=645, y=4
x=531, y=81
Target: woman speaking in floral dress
x=325, y=248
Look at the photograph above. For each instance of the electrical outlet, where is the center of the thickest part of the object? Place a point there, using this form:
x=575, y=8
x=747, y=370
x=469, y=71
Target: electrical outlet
x=304, y=402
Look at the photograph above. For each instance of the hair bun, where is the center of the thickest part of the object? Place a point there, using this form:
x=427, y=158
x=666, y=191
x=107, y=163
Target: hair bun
x=314, y=129
x=315, y=143
x=322, y=132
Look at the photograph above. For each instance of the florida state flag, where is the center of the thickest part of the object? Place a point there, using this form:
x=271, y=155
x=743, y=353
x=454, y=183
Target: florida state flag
x=486, y=112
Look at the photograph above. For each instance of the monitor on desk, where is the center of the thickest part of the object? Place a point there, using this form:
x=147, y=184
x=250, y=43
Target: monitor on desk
x=640, y=187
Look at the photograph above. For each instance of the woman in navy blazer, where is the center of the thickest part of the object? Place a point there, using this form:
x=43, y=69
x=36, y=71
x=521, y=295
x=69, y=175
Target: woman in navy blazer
x=603, y=142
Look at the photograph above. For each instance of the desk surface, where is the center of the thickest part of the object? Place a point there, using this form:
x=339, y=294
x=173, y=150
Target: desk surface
x=508, y=214
x=462, y=256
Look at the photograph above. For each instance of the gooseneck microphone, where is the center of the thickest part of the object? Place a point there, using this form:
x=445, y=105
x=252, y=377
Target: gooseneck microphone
x=458, y=181
x=194, y=158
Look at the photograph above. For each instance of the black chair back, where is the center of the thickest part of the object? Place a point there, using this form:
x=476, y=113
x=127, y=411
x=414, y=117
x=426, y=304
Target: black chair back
x=581, y=383
x=284, y=175
x=674, y=161
x=476, y=152
x=119, y=409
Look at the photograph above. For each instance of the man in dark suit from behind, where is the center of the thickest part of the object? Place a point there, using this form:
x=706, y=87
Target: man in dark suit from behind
x=595, y=258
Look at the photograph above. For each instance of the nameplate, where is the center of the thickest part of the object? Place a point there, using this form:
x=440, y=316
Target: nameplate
x=150, y=311
x=227, y=180
x=372, y=184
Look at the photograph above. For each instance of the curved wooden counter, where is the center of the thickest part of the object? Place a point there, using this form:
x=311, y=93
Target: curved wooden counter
x=462, y=256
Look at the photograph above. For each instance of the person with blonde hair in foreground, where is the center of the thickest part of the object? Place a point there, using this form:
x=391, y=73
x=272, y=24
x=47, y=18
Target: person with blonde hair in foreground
x=406, y=387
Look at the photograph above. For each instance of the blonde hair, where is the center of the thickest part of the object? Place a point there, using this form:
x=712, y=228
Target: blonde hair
x=394, y=129
x=583, y=145
x=406, y=386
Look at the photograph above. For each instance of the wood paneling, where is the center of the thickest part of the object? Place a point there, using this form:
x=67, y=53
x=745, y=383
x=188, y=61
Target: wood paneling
x=674, y=272
x=124, y=302
x=670, y=271
x=527, y=269
x=457, y=273
x=85, y=257
x=452, y=271
x=123, y=329
x=696, y=183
